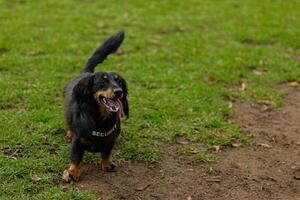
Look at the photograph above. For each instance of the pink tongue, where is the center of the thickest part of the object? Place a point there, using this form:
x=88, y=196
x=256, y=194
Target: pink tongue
x=117, y=104
x=120, y=111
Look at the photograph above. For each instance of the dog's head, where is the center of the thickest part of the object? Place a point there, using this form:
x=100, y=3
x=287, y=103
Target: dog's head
x=107, y=89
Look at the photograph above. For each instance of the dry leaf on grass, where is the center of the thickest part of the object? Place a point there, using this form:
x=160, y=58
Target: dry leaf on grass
x=143, y=187
x=264, y=145
x=265, y=105
x=294, y=84
x=216, y=148
x=257, y=72
x=35, y=178
x=7, y=152
x=242, y=87
x=100, y=24
x=236, y=145
x=182, y=141
x=265, y=108
x=210, y=80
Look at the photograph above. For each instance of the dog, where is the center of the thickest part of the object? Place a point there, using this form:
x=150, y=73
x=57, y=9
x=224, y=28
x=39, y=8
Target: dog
x=94, y=103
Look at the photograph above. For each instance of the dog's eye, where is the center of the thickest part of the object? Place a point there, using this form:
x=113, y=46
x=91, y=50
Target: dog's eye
x=118, y=80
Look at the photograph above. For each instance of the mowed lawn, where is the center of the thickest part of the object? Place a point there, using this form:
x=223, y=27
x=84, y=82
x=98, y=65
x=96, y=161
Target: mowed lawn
x=183, y=61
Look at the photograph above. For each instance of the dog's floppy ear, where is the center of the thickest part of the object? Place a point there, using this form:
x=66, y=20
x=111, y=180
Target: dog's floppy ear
x=83, y=89
x=124, y=97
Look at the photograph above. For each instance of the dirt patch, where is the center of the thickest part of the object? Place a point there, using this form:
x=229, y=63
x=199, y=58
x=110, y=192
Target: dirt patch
x=267, y=169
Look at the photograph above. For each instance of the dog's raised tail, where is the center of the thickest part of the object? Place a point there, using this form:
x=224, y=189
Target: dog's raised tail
x=109, y=46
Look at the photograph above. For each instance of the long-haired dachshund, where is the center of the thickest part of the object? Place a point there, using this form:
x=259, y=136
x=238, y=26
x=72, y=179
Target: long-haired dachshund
x=94, y=104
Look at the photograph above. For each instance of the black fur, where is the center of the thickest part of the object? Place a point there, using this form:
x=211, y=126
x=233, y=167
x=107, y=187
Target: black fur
x=101, y=53
x=84, y=113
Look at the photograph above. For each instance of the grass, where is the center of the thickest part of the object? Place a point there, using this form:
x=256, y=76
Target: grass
x=198, y=153
x=170, y=47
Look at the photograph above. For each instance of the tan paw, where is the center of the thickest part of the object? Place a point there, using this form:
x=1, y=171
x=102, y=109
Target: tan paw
x=109, y=167
x=68, y=177
x=73, y=173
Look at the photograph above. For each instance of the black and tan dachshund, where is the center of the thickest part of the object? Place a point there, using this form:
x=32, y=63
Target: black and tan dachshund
x=94, y=104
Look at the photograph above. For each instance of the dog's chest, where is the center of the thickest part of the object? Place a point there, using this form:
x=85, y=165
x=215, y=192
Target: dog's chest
x=100, y=140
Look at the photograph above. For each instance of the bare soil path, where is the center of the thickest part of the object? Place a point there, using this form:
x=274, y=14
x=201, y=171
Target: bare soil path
x=267, y=169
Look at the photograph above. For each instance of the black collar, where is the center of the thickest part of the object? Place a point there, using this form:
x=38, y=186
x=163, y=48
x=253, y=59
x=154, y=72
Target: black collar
x=104, y=134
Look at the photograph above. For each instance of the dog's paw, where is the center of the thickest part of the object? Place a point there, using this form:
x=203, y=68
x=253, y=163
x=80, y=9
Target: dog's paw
x=111, y=167
x=68, y=177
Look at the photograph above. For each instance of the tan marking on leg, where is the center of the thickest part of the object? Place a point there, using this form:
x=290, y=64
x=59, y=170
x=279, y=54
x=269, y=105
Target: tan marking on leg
x=69, y=135
x=73, y=172
x=106, y=164
x=106, y=161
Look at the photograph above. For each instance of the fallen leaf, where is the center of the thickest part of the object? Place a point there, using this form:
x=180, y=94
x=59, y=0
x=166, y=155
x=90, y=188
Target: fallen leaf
x=216, y=148
x=182, y=141
x=123, y=52
x=143, y=187
x=7, y=152
x=295, y=84
x=230, y=104
x=213, y=179
x=236, y=145
x=42, y=29
x=264, y=145
x=100, y=24
x=210, y=80
x=265, y=108
x=242, y=87
x=257, y=72
x=189, y=198
x=35, y=178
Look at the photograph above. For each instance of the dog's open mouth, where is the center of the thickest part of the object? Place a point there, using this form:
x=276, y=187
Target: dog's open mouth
x=111, y=105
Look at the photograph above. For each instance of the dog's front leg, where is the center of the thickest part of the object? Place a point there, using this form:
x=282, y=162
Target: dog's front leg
x=75, y=169
x=106, y=164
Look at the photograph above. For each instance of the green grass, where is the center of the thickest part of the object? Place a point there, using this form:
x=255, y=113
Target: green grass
x=199, y=155
x=170, y=46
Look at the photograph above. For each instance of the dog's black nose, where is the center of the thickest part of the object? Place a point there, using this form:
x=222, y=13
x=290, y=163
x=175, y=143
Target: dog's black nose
x=118, y=92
